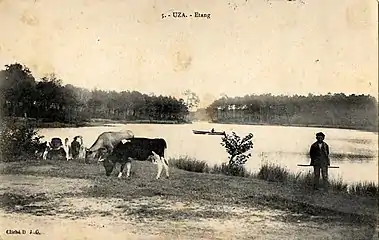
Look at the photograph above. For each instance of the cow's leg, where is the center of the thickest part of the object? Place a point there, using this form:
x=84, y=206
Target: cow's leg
x=121, y=170
x=128, y=167
x=44, y=156
x=67, y=156
x=165, y=166
x=159, y=166
x=157, y=160
x=69, y=152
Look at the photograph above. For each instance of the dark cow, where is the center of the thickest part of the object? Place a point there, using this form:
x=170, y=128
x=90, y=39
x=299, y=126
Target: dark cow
x=42, y=150
x=137, y=149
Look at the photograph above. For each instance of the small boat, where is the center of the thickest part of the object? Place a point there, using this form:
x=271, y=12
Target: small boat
x=207, y=132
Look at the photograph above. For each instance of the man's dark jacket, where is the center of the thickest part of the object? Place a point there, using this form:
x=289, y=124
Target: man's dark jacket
x=319, y=157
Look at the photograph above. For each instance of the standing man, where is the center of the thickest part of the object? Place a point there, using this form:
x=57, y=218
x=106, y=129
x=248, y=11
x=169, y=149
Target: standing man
x=319, y=153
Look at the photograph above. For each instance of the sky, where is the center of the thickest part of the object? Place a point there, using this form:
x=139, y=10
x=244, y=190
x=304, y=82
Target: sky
x=246, y=47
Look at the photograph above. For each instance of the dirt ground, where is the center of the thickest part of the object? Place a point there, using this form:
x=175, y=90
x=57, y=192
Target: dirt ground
x=60, y=209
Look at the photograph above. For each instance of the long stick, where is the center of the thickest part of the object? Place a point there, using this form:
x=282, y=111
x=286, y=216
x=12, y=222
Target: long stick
x=305, y=165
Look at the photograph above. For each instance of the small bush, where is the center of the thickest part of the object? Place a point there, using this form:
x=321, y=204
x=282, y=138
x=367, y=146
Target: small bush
x=237, y=149
x=274, y=173
x=17, y=140
x=190, y=164
x=228, y=169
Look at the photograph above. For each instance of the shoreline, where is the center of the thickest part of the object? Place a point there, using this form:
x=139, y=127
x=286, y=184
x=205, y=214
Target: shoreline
x=356, y=128
x=105, y=122
x=92, y=123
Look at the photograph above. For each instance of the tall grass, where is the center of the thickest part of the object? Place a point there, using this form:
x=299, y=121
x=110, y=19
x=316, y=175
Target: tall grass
x=226, y=169
x=193, y=165
x=364, y=188
x=275, y=173
x=190, y=164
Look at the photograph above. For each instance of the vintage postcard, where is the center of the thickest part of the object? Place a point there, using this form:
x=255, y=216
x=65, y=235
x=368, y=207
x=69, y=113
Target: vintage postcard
x=240, y=119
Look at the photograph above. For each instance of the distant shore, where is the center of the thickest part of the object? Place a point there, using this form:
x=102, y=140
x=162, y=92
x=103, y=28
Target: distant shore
x=91, y=123
x=359, y=128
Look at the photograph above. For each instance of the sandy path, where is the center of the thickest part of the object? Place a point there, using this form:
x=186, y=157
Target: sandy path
x=78, y=217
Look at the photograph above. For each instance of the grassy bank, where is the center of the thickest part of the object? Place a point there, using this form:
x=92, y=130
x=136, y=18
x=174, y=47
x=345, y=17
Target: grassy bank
x=360, y=128
x=275, y=173
x=77, y=190
x=250, y=190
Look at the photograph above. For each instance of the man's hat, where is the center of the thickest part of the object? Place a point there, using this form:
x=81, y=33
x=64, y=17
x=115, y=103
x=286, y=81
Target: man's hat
x=320, y=134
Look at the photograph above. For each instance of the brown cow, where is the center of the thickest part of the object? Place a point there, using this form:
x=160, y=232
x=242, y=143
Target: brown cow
x=105, y=144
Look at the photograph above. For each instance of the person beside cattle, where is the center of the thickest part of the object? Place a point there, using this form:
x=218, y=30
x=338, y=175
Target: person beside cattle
x=137, y=149
x=319, y=154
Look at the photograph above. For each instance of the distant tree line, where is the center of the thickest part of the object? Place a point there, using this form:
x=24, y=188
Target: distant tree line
x=334, y=110
x=48, y=99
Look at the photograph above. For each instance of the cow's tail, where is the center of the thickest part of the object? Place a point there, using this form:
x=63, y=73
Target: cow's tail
x=165, y=154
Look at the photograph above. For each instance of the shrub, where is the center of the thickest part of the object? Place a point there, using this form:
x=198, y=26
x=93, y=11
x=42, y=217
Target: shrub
x=237, y=149
x=227, y=169
x=190, y=164
x=17, y=140
x=274, y=173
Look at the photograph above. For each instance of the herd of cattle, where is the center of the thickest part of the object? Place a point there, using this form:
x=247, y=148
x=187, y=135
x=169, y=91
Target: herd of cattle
x=110, y=148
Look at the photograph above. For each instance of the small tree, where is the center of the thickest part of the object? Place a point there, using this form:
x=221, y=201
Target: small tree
x=18, y=141
x=192, y=99
x=237, y=149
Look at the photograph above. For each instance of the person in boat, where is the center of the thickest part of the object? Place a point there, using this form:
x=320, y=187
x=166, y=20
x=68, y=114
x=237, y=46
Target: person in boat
x=319, y=154
x=213, y=130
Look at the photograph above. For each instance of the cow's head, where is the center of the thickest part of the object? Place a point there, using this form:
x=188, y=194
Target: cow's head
x=100, y=155
x=92, y=155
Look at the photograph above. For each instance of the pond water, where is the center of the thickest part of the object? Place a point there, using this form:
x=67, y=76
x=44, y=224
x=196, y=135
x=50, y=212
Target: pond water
x=355, y=152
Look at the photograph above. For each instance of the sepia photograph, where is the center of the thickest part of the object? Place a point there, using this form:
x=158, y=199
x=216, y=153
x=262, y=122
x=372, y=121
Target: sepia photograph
x=238, y=119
